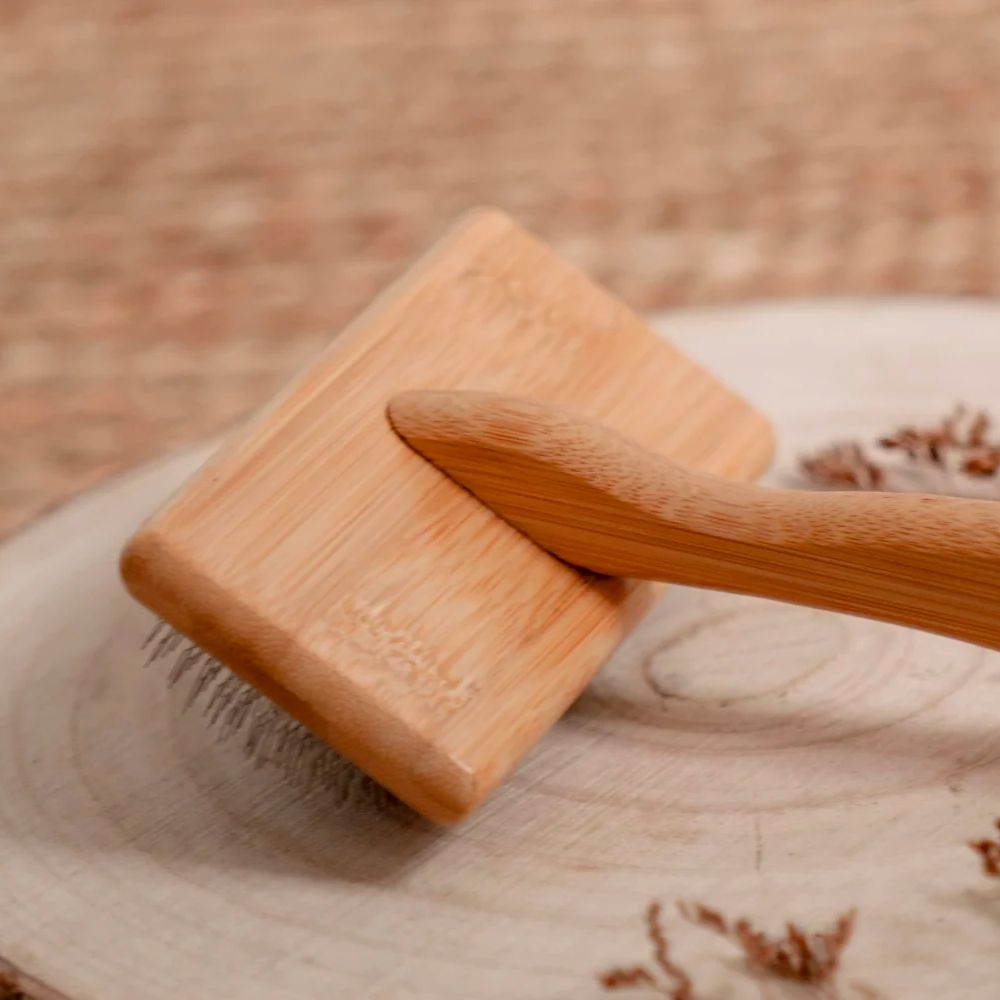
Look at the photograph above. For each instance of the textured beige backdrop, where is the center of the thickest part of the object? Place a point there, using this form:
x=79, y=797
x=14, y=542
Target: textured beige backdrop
x=196, y=193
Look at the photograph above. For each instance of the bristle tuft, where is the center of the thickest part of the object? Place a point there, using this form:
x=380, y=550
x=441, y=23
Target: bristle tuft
x=269, y=737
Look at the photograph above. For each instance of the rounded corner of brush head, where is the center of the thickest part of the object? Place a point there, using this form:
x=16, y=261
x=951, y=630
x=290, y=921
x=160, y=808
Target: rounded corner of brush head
x=469, y=791
x=448, y=810
x=145, y=563
x=138, y=554
x=432, y=782
x=487, y=217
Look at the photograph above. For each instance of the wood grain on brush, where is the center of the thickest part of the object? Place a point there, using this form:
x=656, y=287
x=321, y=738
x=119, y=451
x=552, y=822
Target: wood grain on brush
x=599, y=500
x=334, y=570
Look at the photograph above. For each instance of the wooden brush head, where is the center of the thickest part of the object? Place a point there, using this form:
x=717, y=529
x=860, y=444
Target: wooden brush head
x=367, y=594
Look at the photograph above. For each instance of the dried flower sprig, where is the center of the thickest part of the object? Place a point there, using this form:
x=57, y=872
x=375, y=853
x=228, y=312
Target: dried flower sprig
x=955, y=455
x=989, y=852
x=667, y=978
x=843, y=465
x=803, y=956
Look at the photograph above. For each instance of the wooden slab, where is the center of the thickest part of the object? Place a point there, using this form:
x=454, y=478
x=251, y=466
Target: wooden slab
x=768, y=760
x=371, y=597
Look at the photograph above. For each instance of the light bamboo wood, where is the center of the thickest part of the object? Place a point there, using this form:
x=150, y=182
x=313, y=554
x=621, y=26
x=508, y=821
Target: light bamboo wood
x=768, y=759
x=372, y=599
x=600, y=501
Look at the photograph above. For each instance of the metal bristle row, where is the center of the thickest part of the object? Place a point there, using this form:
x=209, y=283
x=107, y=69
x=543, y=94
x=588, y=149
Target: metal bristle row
x=237, y=710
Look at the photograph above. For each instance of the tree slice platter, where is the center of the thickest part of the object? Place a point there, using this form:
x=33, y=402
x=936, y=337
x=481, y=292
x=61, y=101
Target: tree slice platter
x=769, y=761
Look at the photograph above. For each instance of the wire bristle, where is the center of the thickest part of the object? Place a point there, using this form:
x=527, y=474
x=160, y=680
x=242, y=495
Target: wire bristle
x=269, y=737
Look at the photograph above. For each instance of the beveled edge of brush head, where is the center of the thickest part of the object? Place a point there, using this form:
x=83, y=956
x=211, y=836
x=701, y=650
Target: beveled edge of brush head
x=166, y=579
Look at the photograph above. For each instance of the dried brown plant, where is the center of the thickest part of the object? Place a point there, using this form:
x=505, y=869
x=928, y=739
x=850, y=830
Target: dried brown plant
x=953, y=455
x=806, y=957
x=989, y=852
x=667, y=977
x=811, y=957
x=844, y=465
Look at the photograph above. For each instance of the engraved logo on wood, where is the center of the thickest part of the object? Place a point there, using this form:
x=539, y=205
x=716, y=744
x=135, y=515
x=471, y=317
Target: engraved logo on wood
x=381, y=653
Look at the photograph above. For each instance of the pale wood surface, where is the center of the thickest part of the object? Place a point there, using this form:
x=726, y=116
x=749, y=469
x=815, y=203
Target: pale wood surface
x=599, y=500
x=364, y=592
x=770, y=760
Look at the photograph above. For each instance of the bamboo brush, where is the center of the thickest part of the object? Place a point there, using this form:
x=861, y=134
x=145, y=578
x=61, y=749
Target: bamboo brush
x=320, y=571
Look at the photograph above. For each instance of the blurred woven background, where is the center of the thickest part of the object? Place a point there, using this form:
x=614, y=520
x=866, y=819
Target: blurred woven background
x=195, y=193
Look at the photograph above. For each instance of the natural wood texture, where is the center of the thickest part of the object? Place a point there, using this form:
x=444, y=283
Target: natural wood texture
x=375, y=601
x=766, y=759
x=601, y=501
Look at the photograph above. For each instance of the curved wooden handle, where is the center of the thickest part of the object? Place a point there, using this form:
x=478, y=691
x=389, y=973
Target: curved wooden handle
x=924, y=561
x=602, y=502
